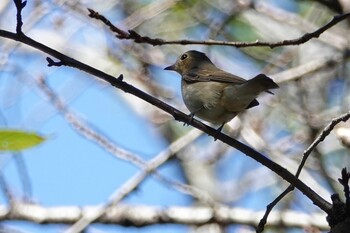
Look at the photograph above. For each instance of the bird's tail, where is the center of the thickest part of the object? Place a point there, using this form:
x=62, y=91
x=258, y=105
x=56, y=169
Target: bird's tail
x=262, y=83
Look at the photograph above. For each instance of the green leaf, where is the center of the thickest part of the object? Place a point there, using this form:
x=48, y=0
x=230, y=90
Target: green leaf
x=16, y=140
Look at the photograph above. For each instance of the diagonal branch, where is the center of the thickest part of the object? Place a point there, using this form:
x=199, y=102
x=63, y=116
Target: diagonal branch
x=325, y=132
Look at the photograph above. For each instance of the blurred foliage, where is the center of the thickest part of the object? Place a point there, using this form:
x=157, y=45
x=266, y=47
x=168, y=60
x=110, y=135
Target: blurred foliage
x=16, y=140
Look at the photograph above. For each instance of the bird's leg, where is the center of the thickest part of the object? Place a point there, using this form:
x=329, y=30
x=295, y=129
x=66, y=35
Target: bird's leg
x=192, y=115
x=218, y=131
x=220, y=128
x=191, y=119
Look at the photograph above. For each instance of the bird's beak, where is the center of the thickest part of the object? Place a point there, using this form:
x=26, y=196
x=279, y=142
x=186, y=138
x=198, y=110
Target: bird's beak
x=172, y=67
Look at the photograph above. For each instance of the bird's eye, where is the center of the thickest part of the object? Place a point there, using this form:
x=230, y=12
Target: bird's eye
x=183, y=57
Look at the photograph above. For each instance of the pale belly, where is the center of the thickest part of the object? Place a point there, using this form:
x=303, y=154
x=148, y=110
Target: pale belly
x=205, y=101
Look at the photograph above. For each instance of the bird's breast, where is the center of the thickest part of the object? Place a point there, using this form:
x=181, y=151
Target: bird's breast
x=204, y=99
x=198, y=94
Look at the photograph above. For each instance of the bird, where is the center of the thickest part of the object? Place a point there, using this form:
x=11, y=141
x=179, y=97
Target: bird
x=213, y=94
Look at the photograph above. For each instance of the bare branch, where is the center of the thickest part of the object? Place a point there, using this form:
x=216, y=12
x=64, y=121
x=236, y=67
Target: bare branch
x=19, y=6
x=326, y=131
x=138, y=215
x=269, y=207
x=136, y=37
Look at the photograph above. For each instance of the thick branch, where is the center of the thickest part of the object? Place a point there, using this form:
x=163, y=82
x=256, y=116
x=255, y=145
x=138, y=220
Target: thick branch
x=132, y=215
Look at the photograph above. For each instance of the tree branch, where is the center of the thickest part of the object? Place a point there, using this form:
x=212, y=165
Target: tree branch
x=139, y=215
x=325, y=132
x=19, y=6
x=136, y=37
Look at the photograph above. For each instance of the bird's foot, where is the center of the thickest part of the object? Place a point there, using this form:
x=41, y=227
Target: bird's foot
x=191, y=119
x=218, y=131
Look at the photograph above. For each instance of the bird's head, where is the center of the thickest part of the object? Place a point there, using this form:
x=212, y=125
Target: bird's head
x=188, y=61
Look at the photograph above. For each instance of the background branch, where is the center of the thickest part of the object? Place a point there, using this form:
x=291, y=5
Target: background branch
x=137, y=38
x=133, y=215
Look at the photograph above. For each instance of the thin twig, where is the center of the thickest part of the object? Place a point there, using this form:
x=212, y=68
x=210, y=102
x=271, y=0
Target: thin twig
x=325, y=132
x=269, y=207
x=136, y=37
x=19, y=6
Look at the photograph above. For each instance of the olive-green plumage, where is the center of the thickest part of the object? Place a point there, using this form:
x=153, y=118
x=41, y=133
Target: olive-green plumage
x=213, y=94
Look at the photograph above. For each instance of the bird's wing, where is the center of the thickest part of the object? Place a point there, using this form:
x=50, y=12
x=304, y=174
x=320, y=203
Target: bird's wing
x=202, y=75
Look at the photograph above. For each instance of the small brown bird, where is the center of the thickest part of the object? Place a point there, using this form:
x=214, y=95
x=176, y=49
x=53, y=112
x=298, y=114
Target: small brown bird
x=213, y=94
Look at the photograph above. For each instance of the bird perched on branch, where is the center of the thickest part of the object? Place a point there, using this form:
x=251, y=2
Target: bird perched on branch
x=214, y=95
